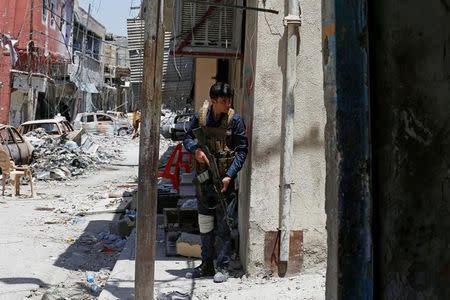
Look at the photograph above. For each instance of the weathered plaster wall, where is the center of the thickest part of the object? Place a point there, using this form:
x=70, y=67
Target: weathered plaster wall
x=411, y=138
x=205, y=71
x=265, y=77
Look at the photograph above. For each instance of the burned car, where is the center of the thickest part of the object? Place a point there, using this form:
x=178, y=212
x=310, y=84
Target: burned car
x=98, y=122
x=19, y=149
x=56, y=127
x=117, y=114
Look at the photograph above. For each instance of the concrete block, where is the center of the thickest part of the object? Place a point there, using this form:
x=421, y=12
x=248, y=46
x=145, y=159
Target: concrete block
x=189, y=245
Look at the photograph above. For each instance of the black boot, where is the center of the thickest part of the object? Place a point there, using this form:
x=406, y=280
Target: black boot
x=204, y=270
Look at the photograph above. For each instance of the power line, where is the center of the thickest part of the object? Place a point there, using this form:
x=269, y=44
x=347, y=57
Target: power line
x=74, y=25
x=52, y=38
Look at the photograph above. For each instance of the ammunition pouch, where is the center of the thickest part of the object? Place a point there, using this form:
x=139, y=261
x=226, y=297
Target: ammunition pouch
x=223, y=163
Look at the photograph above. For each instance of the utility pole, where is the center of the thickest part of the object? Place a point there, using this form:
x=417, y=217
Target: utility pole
x=81, y=62
x=30, y=50
x=149, y=150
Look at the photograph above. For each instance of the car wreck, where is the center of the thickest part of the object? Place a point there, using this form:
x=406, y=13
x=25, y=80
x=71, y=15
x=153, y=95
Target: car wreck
x=19, y=149
x=103, y=123
x=56, y=127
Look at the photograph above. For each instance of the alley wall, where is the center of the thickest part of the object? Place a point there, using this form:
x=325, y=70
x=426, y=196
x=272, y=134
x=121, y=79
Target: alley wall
x=261, y=94
x=411, y=138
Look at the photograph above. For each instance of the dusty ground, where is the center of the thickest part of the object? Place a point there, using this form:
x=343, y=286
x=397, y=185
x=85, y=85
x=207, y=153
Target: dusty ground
x=46, y=248
x=49, y=251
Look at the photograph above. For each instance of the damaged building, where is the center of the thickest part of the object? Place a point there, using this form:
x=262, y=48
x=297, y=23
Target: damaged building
x=57, y=63
x=29, y=54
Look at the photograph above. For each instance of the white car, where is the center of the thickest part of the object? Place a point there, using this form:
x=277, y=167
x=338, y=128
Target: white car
x=98, y=122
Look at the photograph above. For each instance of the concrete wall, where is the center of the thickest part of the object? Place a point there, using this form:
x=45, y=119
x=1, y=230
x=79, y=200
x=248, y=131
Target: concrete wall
x=411, y=138
x=18, y=107
x=262, y=85
x=205, y=70
x=348, y=168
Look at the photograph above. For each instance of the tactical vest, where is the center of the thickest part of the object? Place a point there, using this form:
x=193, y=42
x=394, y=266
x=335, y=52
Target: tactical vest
x=219, y=140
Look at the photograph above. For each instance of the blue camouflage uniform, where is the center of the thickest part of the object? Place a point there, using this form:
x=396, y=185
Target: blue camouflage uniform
x=208, y=200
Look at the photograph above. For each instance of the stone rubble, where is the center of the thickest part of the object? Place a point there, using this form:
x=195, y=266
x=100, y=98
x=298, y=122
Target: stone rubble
x=59, y=159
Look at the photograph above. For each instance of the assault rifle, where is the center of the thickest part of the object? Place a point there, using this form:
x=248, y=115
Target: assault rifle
x=212, y=173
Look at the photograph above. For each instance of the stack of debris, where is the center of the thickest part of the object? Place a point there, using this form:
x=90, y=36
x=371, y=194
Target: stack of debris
x=60, y=159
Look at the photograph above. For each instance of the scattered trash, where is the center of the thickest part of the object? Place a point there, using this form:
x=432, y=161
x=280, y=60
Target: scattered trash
x=107, y=249
x=113, y=237
x=87, y=239
x=120, y=243
x=175, y=295
x=188, y=203
x=53, y=221
x=90, y=277
x=77, y=220
x=44, y=208
x=130, y=214
x=69, y=239
x=103, y=235
x=95, y=288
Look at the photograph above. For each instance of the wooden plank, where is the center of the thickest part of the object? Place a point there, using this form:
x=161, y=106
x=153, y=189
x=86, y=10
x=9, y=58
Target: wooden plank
x=149, y=150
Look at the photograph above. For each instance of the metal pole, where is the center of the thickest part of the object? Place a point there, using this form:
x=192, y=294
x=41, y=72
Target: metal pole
x=30, y=49
x=291, y=22
x=149, y=150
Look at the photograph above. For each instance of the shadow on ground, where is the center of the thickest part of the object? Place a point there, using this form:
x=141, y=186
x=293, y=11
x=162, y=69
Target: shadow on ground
x=91, y=252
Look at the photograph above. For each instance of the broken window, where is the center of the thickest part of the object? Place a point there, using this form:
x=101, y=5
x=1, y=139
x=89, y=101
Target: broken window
x=44, y=10
x=63, y=17
x=103, y=118
x=52, y=11
x=89, y=118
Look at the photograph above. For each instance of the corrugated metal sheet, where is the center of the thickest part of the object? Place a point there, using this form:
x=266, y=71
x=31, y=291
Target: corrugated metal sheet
x=217, y=28
x=178, y=74
x=177, y=71
x=216, y=31
x=135, y=29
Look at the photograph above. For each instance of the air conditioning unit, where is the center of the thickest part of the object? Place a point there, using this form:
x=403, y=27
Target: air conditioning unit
x=208, y=28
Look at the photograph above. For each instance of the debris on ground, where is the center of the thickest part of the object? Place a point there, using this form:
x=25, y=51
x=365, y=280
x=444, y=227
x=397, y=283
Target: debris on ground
x=175, y=295
x=60, y=159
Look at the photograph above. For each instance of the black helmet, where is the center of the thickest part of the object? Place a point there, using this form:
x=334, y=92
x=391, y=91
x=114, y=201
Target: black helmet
x=221, y=89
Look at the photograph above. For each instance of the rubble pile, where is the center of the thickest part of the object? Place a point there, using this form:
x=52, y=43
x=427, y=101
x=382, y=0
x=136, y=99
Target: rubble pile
x=59, y=159
x=167, y=117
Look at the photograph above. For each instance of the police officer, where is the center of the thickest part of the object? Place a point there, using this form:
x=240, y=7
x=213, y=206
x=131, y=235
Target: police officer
x=227, y=142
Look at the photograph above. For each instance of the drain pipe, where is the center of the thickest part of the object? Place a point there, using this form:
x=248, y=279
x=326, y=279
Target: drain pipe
x=292, y=23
